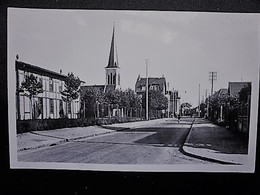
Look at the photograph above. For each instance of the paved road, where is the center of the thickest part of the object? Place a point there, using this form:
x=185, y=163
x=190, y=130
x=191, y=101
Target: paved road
x=156, y=144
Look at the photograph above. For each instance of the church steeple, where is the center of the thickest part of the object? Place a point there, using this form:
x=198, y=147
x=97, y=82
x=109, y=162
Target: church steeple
x=112, y=68
x=113, y=56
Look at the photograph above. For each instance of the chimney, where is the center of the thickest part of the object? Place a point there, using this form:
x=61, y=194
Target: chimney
x=60, y=71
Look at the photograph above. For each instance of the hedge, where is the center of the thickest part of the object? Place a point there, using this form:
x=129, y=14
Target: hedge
x=50, y=124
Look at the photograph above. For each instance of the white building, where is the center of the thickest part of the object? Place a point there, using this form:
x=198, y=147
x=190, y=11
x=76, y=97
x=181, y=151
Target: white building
x=49, y=103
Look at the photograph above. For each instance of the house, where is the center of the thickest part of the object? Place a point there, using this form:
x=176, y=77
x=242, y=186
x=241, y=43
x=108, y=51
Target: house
x=154, y=83
x=235, y=87
x=49, y=103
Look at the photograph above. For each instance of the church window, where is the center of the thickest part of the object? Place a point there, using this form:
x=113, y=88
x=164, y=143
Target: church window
x=107, y=79
x=114, y=79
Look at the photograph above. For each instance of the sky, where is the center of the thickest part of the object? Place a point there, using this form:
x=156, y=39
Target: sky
x=181, y=46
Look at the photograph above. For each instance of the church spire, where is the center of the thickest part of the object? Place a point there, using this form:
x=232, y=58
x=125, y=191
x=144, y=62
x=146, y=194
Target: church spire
x=113, y=56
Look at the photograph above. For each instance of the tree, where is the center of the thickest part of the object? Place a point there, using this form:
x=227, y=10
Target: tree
x=157, y=101
x=130, y=101
x=72, y=89
x=90, y=101
x=244, y=93
x=31, y=87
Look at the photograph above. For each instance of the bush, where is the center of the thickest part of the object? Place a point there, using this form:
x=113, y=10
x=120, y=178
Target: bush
x=50, y=124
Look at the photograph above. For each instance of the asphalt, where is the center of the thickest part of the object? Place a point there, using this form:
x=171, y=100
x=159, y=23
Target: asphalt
x=204, y=141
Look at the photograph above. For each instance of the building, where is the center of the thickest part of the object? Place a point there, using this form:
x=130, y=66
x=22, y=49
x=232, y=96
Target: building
x=112, y=71
x=112, y=78
x=154, y=83
x=49, y=103
x=235, y=87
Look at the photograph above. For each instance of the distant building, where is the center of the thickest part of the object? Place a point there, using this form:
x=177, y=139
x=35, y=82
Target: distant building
x=221, y=92
x=48, y=104
x=112, y=74
x=154, y=83
x=235, y=87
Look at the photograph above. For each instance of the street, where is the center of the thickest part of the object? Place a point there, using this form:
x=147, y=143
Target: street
x=155, y=144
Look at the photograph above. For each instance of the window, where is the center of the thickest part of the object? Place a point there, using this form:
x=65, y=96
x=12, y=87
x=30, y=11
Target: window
x=51, y=106
x=69, y=107
x=60, y=87
x=114, y=79
x=51, y=85
x=40, y=107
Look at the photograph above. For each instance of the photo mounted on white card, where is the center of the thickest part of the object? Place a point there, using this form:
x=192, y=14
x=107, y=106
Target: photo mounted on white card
x=148, y=91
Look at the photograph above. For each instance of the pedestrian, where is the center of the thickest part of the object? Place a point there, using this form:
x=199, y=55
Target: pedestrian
x=179, y=117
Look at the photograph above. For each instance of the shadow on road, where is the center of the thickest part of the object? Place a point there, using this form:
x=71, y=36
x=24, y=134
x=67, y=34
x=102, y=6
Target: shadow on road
x=170, y=137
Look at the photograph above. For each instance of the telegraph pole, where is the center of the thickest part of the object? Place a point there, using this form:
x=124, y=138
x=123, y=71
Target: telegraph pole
x=169, y=100
x=199, y=102
x=147, y=89
x=173, y=103
x=212, y=78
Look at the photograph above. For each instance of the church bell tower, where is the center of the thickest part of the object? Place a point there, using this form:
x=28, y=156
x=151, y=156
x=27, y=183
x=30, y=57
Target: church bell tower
x=112, y=69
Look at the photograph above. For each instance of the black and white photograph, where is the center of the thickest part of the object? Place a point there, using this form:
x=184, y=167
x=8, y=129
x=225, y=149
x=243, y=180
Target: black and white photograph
x=129, y=90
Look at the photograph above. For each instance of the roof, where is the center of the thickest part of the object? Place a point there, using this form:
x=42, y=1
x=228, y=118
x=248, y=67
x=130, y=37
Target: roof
x=113, y=56
x=235, y=87
x=151, y=81
x=38, y=70
x=87, y=87
x=222, y=91
x=110, y=88
x=101, y=88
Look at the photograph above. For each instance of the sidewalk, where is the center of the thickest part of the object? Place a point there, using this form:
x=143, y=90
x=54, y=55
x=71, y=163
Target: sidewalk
x=38, y=139
x=211, y=142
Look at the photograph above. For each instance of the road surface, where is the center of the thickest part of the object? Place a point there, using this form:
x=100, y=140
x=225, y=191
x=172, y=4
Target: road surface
x=156, y=144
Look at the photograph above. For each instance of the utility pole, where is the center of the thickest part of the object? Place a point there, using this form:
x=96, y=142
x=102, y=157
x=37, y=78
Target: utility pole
x=199, y=102
x=173, y=102
x=147, y=89
x=212, y=78
x=169, y=100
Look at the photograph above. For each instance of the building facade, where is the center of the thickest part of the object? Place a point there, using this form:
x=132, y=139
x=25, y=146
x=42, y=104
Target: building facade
x=49, y=103
x=154, y=83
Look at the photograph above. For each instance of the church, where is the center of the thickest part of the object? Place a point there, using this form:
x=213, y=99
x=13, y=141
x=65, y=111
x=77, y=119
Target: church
x=112, y=71
x=112, y=74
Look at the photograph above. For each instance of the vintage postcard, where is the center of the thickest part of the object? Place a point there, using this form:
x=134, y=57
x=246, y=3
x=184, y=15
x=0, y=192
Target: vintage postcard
x=153, y=91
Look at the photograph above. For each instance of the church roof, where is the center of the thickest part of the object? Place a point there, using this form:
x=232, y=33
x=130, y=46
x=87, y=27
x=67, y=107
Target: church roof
x=87, y=87
x=110, y=88
x=101, y=88
x=113, y=56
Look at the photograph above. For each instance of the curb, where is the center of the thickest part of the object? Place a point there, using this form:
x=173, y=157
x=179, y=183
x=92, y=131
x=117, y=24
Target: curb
x=116, y=128
x=182, y=150
x=62, y=140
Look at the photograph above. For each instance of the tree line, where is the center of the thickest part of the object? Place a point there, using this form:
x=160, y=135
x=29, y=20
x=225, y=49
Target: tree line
x=95, y=103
